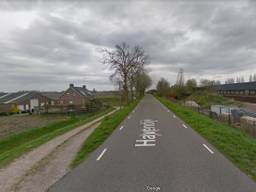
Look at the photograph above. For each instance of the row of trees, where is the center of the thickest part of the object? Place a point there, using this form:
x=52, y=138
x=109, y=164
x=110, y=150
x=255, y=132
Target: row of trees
x=128, y=66
x=164, y=88
x=241, y=79
x=182, y=88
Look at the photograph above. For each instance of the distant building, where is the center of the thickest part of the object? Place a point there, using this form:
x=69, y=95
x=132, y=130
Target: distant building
x=54, y=96
x=247, y=89
x=2, y=94
x=76, y=96
x=26, y=101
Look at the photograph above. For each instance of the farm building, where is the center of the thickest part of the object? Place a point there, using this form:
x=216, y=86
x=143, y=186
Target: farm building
x=24, y=101
x=79, y=96
x=247, y=88
x=2, y=94
x=240, y=91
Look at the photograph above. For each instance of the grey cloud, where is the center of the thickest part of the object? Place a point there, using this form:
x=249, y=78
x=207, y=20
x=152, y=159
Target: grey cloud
x=63, y=41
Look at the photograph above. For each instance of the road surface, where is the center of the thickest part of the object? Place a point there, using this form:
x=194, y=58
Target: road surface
x=153, y=150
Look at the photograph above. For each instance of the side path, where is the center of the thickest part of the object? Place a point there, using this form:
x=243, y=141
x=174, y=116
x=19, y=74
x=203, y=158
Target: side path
x=15, y=173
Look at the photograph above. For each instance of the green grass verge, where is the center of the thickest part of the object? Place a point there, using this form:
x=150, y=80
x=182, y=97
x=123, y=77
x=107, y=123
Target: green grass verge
x=102, y=132
x=16, y=145
x=233, y=143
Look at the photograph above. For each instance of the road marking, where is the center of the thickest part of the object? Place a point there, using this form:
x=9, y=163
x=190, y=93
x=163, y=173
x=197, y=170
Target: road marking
x=174, y=116
x=129, y=117
x=168, y=111
x=121, y=128
x=102, y=153
x=184, y=126
x=208, y=148
x=149, y=134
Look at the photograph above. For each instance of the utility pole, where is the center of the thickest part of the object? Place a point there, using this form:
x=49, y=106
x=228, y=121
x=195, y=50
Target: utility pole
x=180, y=78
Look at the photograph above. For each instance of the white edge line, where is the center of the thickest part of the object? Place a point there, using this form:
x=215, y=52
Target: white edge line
x=102, y=153
x=121, y=127
x=184, y=126
x=174, y=116
x=208, y=148
x=129, y=117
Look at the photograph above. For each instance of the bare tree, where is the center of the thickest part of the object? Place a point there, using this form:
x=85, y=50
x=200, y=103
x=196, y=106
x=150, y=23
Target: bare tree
x=251, y=78
x=207, y=83
x=163, y=87
x=143, y=81
x=230, y=80
x=125, y=62
x=254, y=77
x=240, y=79
x=217, y=82
x=191, y=84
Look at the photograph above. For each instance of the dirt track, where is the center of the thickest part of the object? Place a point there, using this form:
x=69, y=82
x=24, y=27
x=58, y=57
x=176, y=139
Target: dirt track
x=54, y=166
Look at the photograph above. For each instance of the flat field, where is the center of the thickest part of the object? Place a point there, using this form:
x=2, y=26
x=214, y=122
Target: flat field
x=17, y=123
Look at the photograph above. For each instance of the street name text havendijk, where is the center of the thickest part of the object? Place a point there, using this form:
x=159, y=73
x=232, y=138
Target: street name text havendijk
x=149, y=134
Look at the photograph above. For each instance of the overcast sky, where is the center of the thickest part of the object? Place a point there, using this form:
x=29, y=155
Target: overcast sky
x=46, y=46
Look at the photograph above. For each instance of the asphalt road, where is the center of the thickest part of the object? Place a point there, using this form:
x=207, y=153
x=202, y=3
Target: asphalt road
x=153, y=150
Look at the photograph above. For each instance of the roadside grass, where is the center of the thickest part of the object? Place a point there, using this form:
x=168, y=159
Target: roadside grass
x=15, y=145
x=235, y=144
x=102, y=132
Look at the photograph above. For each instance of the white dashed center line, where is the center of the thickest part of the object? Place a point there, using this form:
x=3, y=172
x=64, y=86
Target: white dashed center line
x=208, y=148
x=121, y=128
x=184, y=126
x=102, y=153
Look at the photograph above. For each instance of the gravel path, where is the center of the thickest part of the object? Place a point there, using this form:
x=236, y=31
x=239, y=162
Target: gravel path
x=12, y=175
x=54, y=166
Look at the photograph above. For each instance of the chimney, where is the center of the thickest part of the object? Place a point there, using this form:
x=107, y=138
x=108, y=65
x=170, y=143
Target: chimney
x=71, y=85
x=84, y=86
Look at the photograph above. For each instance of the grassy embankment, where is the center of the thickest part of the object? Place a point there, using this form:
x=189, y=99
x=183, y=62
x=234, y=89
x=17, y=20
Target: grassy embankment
x=102, y=132
x=17, y=144
x=233, y=143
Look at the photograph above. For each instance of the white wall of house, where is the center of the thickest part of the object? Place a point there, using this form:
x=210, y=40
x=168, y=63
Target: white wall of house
x=21, y=107
x=34, y=103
